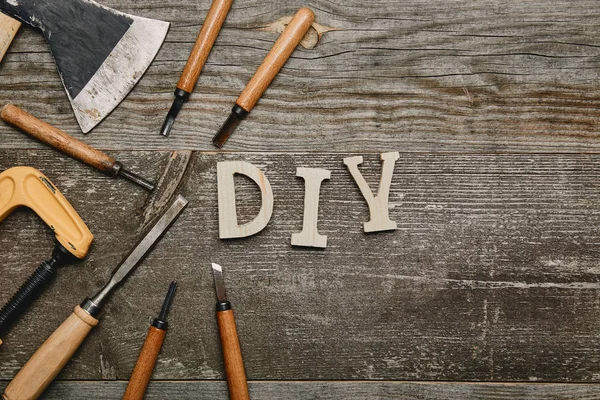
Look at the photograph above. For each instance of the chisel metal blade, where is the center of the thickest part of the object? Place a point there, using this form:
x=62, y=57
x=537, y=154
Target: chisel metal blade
x=143, y=247
x=219, y=282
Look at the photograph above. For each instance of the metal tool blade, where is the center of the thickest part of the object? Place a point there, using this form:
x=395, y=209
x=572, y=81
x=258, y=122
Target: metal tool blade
x=120, y=72
x=143, y=247
x=168, y=300
x=226, y=130
x=219, y=282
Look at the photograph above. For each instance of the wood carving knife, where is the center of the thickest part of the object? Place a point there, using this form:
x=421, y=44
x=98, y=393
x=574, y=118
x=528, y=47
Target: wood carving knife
x=140, y=377
x=204, y=43
x=67, y=144
x=45, y=364
x=100, y=53
x=270, y=67
x=230, y=343
x=8, y=29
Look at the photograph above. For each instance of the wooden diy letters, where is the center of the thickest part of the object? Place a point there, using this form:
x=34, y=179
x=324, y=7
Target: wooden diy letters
x=313, y=177
x=312, y=182
x=228, y=226
x=378, y=205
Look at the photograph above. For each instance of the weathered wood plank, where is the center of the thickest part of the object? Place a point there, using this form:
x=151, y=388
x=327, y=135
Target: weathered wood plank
x=417, y=76
x=491, y=275
x=329, y=390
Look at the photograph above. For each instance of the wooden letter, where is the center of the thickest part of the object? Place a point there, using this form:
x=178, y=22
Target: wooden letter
x=228, y=226
x=378, y=205
x=312, y=182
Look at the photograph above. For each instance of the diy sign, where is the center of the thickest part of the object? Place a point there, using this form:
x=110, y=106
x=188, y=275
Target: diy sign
x=313, y=177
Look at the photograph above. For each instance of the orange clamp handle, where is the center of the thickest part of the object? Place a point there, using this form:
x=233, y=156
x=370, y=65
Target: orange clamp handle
x=28, y=187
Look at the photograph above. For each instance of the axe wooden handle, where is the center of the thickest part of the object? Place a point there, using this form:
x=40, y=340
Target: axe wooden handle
x=232, y=356
x=41, y=369
x=204, y=43
x=8, y=30
x=274, y=61
x=56, y=138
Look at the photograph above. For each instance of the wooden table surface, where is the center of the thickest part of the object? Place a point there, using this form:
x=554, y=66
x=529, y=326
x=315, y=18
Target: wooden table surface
x=489, y=287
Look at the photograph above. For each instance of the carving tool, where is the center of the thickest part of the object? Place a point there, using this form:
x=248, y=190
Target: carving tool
x=100, y=53
x=149, y=354
x=28, y=187
x=270, y=67
x=230, y=343
x=204, y=43
x=67, y=144
x=41, y=369
x=8, y=29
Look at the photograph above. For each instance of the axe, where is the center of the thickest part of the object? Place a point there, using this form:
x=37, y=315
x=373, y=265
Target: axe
x=100, y=53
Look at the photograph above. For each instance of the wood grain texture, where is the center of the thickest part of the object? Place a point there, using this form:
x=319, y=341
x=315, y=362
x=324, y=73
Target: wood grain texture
x=331, y=390
x=491, y=274
x=276, y=58
x=232, y=356
x=419, y=76
x=204, y=44
x=56, y=138
x=8, y=30
x=140, y=377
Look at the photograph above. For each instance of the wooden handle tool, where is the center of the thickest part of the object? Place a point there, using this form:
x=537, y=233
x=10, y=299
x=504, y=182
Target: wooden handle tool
x=270, y=67
x=154, y=340
x=51, y=357
x=67, y=144
x=230, y=343
x=204, y=44
x=8, y=30
x=45, y=364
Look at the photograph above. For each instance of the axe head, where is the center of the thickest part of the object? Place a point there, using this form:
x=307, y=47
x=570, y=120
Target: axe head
x=100, y=53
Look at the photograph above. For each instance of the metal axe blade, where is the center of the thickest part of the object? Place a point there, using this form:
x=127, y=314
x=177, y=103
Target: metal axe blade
x=100, y=53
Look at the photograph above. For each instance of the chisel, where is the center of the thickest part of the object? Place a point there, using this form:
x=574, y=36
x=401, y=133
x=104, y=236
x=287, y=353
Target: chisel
x=264, y=75
x=67, y=144
x=45, y=364
x=230, y=343
x=204, y=43
x=136, y=388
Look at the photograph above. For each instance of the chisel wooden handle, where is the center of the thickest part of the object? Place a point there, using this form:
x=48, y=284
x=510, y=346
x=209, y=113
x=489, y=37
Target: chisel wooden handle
x=8, y=30
x=232, y=356
x=41, y=369
x=58, y=139
x=145, y=364
x=204, y=43
x=274, y=61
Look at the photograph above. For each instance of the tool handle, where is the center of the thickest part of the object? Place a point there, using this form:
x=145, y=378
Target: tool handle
x=58, y=139
x=274, y=61
x=232, y=356
x=145, y=364
x=41, y=369
x=8, y=29
x=28, y=292
x=204, y=43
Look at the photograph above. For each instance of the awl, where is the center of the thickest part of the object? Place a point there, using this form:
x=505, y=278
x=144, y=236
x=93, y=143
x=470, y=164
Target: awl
x=136, y=388
x=230, y=343
x=45, y=364
x=67, y=144
x=270, y=67
x=204, y=43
